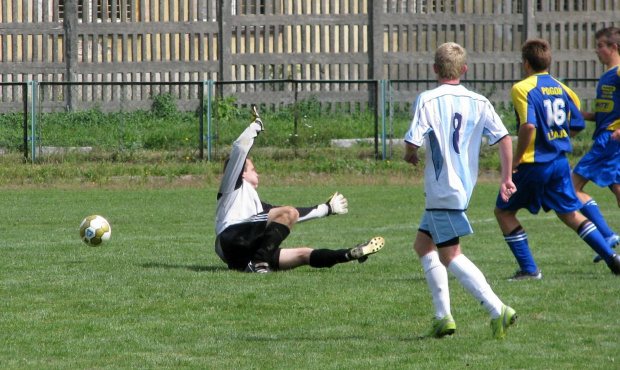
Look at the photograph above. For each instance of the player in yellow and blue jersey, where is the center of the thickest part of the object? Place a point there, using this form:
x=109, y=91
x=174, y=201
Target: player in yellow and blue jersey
x=548, y=116
x=601, y=164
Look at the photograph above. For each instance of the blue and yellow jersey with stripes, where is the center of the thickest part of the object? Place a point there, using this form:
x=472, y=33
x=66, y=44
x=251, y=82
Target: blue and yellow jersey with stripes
x=607, y=107
x=553, y=109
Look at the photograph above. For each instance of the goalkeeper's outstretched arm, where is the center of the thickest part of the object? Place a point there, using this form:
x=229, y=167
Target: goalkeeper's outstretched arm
x=336, y=205
x=241, y=148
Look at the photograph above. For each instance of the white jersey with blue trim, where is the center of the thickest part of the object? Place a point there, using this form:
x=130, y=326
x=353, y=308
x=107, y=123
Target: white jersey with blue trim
x=450, y=120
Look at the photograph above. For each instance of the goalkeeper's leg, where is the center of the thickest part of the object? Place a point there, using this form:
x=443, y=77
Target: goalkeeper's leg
x=280, y=221
x=321, y=258
x=291, y=258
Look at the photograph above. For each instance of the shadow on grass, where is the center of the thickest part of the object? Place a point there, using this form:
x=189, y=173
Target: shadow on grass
x=280, y=338
x=158, y=265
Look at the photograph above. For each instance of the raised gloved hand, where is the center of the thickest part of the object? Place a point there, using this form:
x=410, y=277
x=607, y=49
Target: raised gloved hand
x=337, y=204
x=256, y=119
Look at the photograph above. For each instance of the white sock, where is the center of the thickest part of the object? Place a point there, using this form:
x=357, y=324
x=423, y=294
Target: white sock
x=476, y=284
x=437, y=279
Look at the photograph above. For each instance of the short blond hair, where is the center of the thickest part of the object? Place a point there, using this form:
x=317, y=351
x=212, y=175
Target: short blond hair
x=450, y=59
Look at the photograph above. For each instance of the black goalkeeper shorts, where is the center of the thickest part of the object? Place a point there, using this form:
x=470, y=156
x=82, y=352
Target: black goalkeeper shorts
x=238, y=243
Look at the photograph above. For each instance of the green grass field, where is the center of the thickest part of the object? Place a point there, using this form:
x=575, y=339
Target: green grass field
x=157, y=296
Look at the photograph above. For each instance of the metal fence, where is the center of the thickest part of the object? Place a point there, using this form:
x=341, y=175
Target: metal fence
x=197, y=120
x=14, y=122
x=193, y=119
x=294, y=102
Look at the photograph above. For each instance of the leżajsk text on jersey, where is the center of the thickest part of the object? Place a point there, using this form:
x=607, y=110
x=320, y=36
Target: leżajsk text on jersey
x=607, y=107
x=553, y=109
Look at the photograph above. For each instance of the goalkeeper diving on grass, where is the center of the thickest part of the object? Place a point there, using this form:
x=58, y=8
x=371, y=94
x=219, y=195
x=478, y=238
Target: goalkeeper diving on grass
x=249, y=232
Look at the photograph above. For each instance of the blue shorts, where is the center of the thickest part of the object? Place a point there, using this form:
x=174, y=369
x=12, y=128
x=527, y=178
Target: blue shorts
x=601, y=164
x=546, y=185
x=445, y=225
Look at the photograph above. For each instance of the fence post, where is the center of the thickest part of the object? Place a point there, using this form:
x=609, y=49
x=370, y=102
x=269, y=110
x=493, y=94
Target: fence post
x=70, y=49
x=223, y=45
x=375, y=62
x=295, y=117
x=209, y=114
x=33, y=120
x=375, y=37
x=529, y=19
x=25, y=100
x=201, y=123
x=382, y=110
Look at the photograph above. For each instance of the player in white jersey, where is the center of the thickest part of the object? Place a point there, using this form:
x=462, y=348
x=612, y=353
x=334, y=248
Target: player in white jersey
x=249, y=232
x=450, y=121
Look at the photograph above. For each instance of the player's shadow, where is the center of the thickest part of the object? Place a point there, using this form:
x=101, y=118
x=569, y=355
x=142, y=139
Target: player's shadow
x=337, y=339
x=157, y=265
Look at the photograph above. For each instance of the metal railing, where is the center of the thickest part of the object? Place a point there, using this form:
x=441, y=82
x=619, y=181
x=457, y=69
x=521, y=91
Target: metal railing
x=196, y=119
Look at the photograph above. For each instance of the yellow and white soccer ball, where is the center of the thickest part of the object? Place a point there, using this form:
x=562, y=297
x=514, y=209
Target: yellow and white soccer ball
x=95, y=230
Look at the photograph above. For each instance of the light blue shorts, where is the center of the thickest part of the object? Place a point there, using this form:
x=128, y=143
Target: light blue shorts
x=445, y=225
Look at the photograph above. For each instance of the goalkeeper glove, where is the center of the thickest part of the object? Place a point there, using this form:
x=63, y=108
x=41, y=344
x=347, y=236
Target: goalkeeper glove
x=256, y=119
x=337, y=204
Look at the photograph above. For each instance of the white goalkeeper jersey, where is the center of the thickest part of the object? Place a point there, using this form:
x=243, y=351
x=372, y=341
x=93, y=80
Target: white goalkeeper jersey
x=450, y=120
x=237, y=199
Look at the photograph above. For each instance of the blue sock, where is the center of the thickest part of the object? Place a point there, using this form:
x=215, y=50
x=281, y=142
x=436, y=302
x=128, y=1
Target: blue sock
x=593, y=213
x=521, y=250
x=590, y=234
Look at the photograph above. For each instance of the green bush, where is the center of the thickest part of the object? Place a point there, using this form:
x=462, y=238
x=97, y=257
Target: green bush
x=226, y=109
x=164, y=105
x=12, y=131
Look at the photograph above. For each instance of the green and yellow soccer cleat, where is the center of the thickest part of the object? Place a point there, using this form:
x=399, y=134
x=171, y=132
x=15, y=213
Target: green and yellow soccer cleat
x=440, y=328
x=503, y=322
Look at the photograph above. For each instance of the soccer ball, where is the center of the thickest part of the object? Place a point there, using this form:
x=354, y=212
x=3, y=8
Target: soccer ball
x=95, y=230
